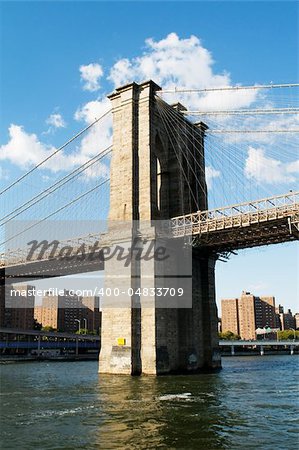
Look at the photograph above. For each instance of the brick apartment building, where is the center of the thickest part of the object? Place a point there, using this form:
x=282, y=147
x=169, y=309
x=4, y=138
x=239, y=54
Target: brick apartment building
x=244, y=315
x=17, y=309
x=286, y=319
x=62, y=312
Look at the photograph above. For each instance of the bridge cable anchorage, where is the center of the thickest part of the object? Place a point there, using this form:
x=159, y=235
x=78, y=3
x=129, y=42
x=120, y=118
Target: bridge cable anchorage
x=187, y=127
x=188, y=131
x=228, y=88
x=57, y=211
x=176, y=154
x=191, y=137
x=55, y=152
x=57, y=185
x=172, y=116
x=174, y=141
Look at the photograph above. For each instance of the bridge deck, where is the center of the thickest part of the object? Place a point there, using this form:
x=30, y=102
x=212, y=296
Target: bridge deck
x=262, y=222
x=267, y=221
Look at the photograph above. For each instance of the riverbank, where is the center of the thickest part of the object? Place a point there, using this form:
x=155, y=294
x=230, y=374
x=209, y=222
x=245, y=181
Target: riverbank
x=6, y=359
x=64, y=358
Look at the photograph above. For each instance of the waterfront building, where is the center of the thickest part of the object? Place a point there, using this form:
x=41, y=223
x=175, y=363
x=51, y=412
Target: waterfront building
x=230, y=316
x=296, y=318
x=268, y=311
x=250, y=315
x=18, y=311
x=67, y=312
x=245, y=314
x=91, y=311
x=286, y=319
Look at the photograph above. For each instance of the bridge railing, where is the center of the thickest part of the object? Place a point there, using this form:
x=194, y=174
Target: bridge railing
x=233, y=216
x=238, y=215
x=20, y=255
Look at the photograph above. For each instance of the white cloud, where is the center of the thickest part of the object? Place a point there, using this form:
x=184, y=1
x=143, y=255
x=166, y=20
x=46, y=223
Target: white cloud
x=262, y=122
x=211, y=173
x=266, y=170
x=90, y=75
x=100, y=135
x=170, y=62
x=25, y=150
x=185, y=63
x=56, y=120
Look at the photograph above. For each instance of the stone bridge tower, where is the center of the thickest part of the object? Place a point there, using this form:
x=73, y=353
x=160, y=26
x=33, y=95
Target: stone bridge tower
x=152, y=180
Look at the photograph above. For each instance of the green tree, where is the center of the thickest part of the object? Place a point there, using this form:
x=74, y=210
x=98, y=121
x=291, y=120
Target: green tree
x=48, y=328
x=287, y=335
x=82, y=331
x=229, y=336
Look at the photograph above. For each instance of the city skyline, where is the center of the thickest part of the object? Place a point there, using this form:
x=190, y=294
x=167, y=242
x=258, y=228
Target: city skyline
x=45, y=308
x=248, y=313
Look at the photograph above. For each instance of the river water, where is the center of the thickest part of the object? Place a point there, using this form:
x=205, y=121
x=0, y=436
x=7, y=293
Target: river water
x=251, y=404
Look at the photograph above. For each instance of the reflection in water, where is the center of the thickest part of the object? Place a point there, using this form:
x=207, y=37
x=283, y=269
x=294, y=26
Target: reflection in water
x=165, y=412
x=69, y=406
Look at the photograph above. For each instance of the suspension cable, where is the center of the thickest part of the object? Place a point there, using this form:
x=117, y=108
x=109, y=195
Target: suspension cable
x=57, y=185
x=54, y=153
x=229, y=88
x=56, y=211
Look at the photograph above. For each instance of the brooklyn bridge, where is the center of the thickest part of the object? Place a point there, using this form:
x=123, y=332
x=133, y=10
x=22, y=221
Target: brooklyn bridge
x=151, y=189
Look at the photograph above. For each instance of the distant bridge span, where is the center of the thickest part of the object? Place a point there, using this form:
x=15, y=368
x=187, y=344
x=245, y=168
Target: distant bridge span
x=262, y=222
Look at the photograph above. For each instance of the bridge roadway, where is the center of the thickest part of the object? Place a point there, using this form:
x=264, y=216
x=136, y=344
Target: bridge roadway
x=262, y=222
x=244, y=225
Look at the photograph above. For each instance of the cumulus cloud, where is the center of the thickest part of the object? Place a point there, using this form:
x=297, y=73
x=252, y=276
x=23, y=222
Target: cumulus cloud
x=266, y=170
x=26, y=150
x=90, y=75
x=23, y=149
x=211, y=173
x=263, y=122
x=56, y=120
x=100, y=135
x=173, y=62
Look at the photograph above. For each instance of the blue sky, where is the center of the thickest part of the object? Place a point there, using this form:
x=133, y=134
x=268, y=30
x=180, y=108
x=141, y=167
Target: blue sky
x=43, y=45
